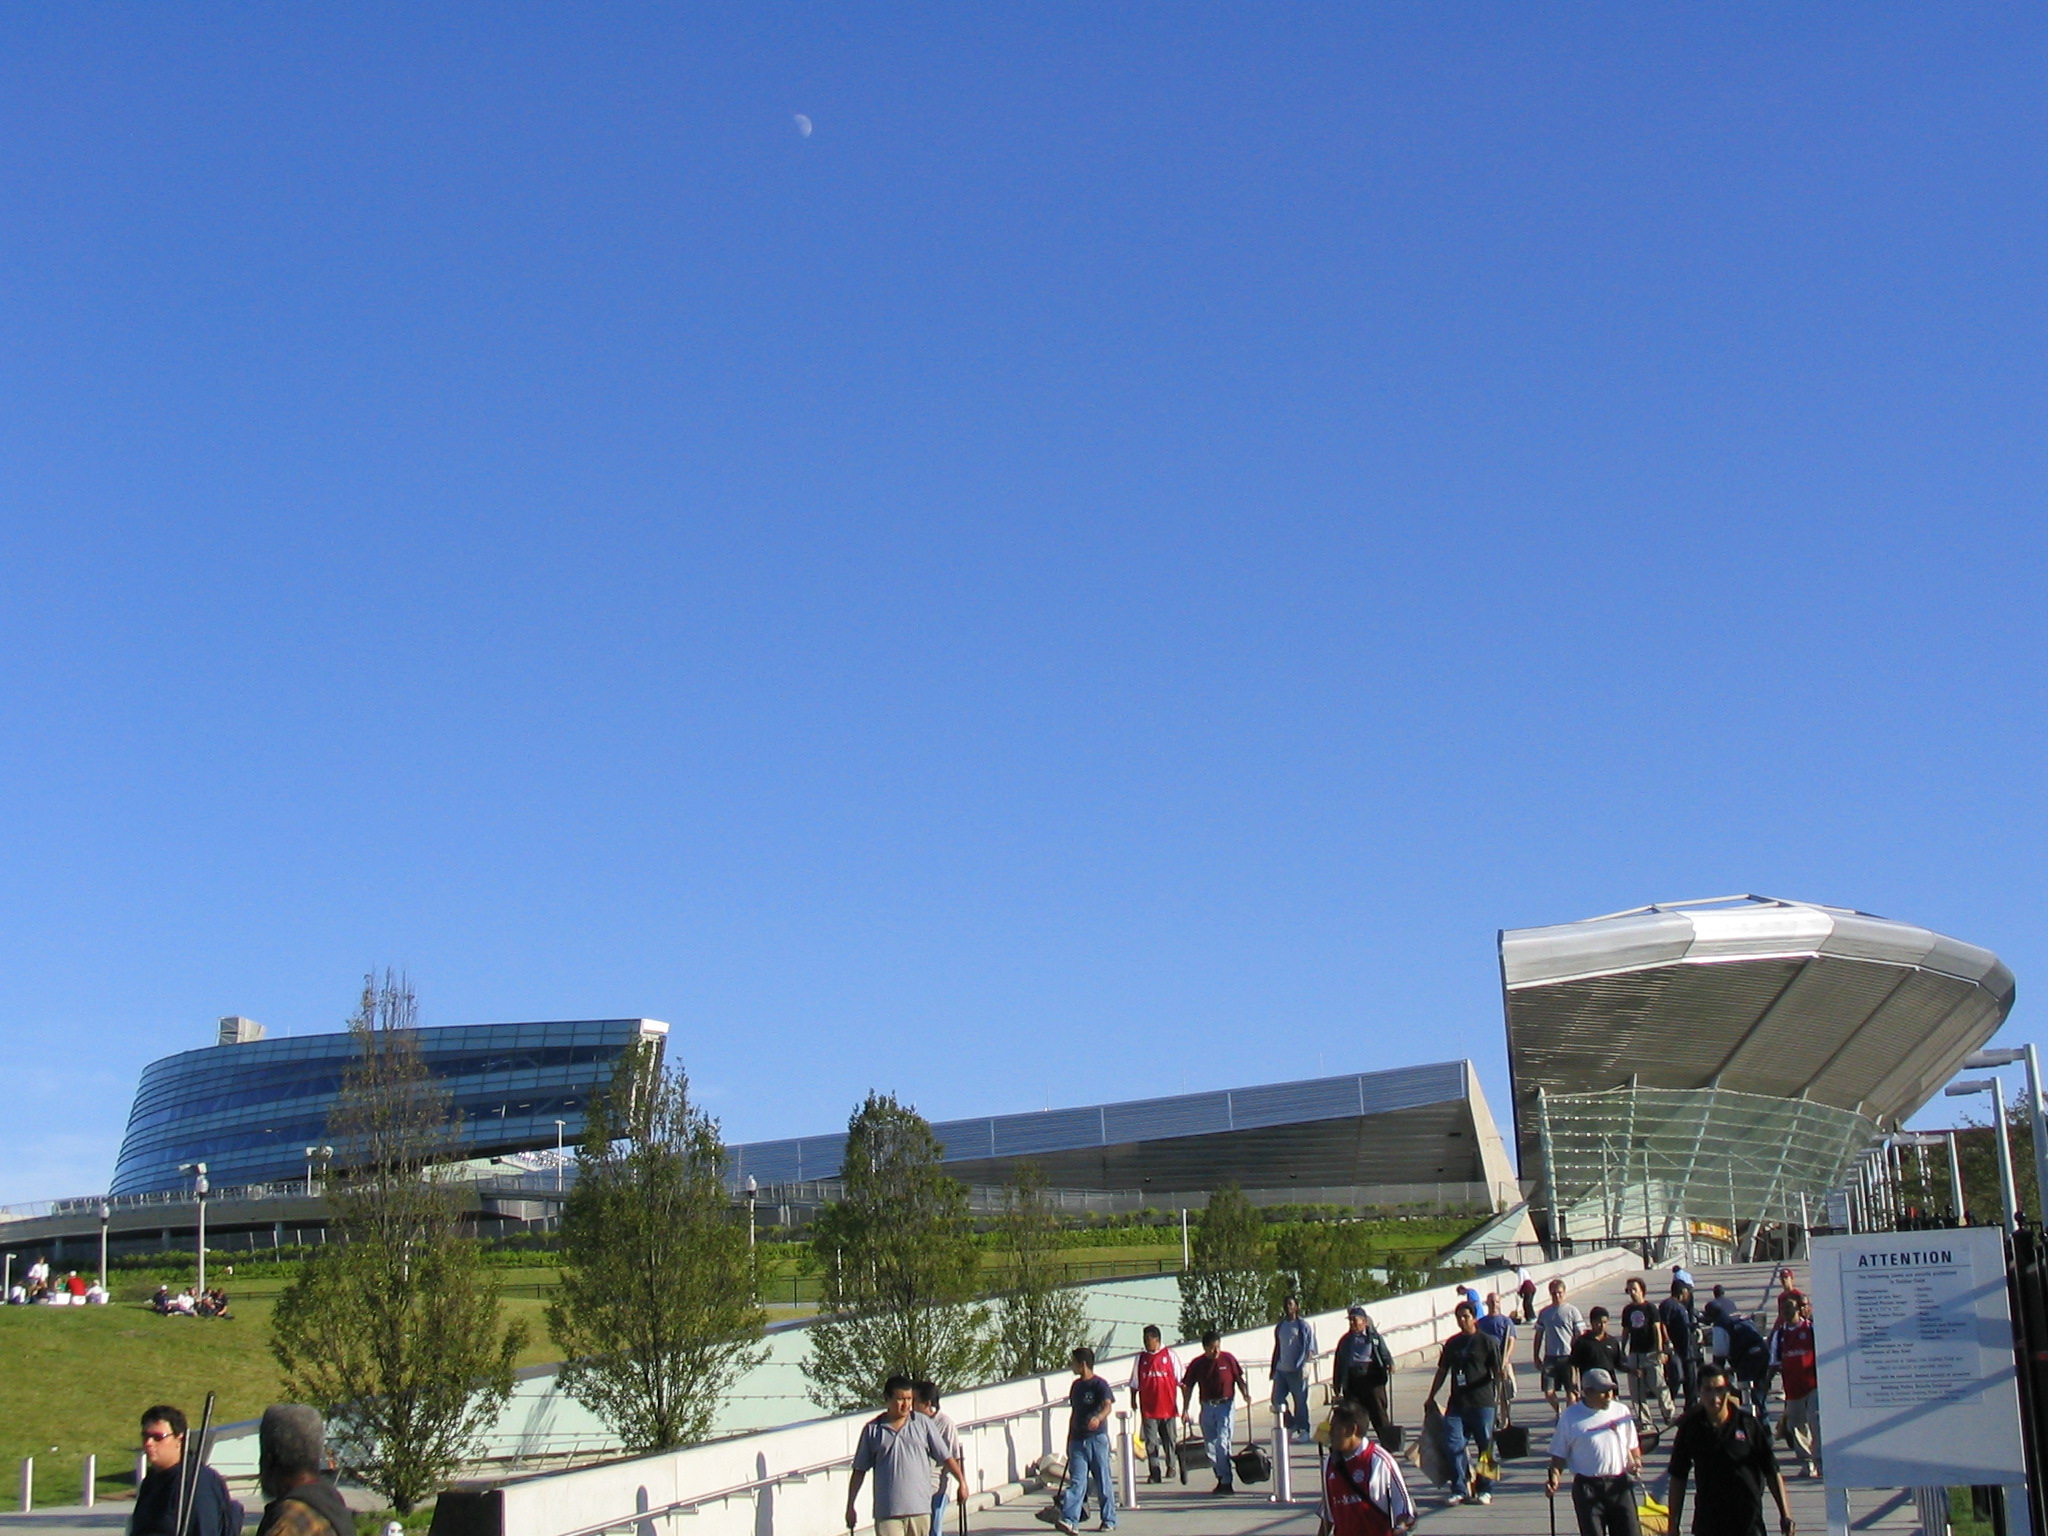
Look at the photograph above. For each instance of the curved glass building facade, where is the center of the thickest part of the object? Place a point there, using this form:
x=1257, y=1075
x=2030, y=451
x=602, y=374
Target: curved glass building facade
x=249, y=1110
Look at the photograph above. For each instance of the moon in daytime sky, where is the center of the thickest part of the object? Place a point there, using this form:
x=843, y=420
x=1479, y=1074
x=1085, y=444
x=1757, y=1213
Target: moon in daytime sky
x=803, y=125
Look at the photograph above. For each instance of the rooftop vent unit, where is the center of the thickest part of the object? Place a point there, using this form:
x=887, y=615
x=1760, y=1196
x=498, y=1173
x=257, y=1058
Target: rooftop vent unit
x=236, y=1030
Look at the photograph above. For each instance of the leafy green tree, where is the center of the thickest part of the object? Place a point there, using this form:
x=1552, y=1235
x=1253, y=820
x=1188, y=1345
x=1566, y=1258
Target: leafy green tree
x=1978, y=1154
x=1229, y=1275
x=396, y=1332
x=656, y=1314
x=899, y=1265
x=1039, y=1321
x=1327, y=1264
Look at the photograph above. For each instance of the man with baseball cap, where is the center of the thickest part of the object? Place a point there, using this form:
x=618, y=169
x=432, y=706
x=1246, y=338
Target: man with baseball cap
x=1596, y=1438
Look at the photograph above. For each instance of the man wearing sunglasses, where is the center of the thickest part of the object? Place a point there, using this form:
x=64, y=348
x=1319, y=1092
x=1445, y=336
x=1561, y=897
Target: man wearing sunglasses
x=213, y=1513
x=1727, y=1450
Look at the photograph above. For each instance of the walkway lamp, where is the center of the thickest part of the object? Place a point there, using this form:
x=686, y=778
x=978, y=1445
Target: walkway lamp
x=315, y=1155
x=1963, y=1089
x=2037, y=1117
x=198, y=1172
x=7, y=1277
x=558, y=1154
x=106, y=1214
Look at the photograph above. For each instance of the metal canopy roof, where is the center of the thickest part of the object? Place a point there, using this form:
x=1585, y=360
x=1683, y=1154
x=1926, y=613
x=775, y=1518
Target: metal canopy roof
x=1751, y=994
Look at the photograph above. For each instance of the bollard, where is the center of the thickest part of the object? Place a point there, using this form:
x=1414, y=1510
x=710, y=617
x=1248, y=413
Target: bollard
x=91, y=1477
x=1283, y=1463
x=1127, y=1462
x=28, y=1484
x=141, y=1470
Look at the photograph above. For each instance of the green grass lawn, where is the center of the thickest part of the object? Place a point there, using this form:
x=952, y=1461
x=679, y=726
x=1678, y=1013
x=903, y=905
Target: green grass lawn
x=74, y=1379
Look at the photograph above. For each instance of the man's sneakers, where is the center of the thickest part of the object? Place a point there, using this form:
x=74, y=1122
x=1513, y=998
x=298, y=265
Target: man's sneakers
x=1224, y=1488
x=1066, y=1527
x=1481, y=1498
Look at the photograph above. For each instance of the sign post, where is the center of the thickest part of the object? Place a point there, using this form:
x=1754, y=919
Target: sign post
x=1917, y=1369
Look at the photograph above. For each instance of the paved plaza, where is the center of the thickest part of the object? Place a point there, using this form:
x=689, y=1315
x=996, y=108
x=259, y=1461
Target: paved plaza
x=1519, y=1507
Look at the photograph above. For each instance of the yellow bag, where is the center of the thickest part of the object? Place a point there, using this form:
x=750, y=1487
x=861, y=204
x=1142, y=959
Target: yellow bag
x=1653, y=1517
x=1322, y=1434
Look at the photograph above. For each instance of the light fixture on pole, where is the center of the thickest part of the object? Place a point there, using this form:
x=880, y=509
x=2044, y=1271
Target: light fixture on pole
x=1955, y=1176
x=558, y=1154
x=316, y=1157
x=106, y=1214
x=7, y=1277
x=2037, y=1115
x=753, y=1189
x=1970, y=1085
x=198, y=1172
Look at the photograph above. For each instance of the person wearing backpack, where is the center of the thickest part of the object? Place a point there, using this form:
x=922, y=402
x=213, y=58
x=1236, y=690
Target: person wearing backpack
x=211, y=1512
x=1364, y=1493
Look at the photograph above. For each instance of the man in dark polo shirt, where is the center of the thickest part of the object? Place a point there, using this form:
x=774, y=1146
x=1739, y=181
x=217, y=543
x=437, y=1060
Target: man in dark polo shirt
x=1727, y=1450
x=1216, y=1374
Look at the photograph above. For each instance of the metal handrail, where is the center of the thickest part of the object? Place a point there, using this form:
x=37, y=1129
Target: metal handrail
x=795, y=1474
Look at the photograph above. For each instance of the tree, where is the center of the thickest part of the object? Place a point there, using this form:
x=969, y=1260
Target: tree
x=1327, y=1264
x=1225, y=1284
x=1978, y=1154
x=656, y=1314
x=395, y=1332
x=1039, y=1321
x=900, y=1267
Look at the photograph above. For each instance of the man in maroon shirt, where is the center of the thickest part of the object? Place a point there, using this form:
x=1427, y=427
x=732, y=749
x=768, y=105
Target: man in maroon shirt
x=1216, y=1374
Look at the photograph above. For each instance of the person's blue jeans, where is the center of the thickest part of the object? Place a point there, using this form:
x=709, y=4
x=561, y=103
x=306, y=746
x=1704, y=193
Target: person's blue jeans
x=939, y=1502
x=1468, y=1431
x=1216, y=1424
x=1088, y=1462
x=1293, y=1384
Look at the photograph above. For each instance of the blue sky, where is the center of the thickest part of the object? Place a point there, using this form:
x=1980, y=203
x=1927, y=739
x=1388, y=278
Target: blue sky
x=1114, y=565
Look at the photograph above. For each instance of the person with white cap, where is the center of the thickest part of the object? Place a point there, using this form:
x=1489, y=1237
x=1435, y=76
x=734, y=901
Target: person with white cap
x=1596, y=1439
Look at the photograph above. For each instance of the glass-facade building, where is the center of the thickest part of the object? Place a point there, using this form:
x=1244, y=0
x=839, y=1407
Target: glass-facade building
x=249, y=1110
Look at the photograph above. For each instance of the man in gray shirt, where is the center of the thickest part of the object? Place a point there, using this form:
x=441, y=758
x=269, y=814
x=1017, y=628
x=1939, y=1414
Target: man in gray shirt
x=901, y=1447
x=1294, y=1361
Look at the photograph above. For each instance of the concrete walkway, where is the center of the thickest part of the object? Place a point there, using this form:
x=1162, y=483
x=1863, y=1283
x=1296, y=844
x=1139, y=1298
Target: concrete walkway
x=1519, y=1507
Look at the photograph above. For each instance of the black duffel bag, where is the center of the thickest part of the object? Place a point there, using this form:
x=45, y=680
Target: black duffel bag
x=1254, y=1464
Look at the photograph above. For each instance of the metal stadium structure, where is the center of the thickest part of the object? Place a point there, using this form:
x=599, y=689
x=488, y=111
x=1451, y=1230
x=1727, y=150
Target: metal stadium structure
x=1714, y=1067
x=1410, y=1134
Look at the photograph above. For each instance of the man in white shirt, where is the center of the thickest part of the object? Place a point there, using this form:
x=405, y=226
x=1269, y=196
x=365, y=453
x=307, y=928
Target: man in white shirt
x=1596, y=1438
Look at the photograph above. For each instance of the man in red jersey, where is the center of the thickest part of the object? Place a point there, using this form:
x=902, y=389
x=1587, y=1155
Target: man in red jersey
x=1155, y=1386
x=1363, y=1491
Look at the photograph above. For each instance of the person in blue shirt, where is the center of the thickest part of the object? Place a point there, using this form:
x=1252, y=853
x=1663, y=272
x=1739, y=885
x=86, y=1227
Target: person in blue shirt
x=1294, y=1362
x=1089, y=1402
x=1498, y=1325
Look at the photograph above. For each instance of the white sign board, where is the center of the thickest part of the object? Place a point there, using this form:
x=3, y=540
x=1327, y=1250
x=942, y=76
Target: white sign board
x=1916, y=1359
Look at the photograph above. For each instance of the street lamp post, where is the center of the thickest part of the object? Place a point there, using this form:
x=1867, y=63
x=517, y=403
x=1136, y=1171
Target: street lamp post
x=106, y=1213
x=1991, y=1086
x=198, y=1172
x=1955, y=1177
x=752, y=1188
x=558, y=1155
x=7, y=1277
x=2037, y=1118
